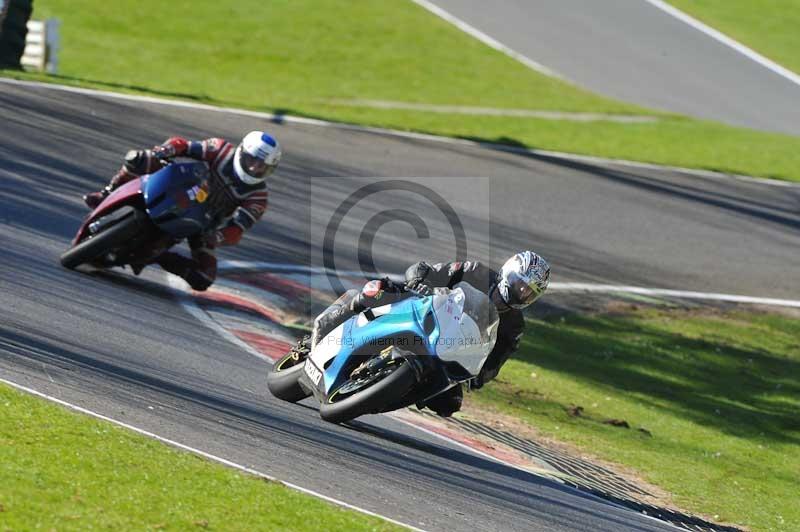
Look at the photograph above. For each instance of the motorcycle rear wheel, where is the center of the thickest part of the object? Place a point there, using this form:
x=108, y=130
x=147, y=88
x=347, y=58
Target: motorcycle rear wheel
x=98, y=245
x=373, y=399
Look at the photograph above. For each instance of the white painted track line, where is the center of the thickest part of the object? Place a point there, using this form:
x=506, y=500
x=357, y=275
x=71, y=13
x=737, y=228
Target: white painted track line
x=681, y=294
x=555, y=286
x=203, y=453
x=184, y=300
x=486, y=39
x=396, y=133
x=727, y=41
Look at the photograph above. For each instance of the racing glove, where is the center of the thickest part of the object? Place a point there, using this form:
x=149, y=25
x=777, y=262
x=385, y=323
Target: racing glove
x=372, y=293
x=173, y=147
x=416, y=274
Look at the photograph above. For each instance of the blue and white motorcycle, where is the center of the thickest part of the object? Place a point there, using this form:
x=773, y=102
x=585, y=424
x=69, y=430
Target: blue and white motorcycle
x=392, y=356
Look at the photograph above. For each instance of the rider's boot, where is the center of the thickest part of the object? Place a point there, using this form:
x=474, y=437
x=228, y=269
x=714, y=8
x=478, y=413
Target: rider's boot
x=187, y=269
x=93, y=199
x=446, y=403
x=334, y=316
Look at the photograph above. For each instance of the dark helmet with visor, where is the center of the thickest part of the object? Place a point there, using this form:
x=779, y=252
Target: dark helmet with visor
x=523, y=279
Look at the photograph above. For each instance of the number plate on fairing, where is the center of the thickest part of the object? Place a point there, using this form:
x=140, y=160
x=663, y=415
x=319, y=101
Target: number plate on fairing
x=312, y=372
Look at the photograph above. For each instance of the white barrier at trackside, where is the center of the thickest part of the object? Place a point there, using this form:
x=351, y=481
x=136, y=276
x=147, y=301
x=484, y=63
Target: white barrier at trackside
x=41, y=46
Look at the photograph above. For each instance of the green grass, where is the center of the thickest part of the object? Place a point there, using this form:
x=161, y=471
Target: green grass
x=61, y=470
x=719, y=395
x=769, y=27
x=296, y=56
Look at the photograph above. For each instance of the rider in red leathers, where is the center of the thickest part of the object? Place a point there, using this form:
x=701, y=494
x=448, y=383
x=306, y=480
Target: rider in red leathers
x=237, y=194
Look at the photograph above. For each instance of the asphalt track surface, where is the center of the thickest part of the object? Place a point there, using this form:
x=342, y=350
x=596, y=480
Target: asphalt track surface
x=123, y=346
x=637, y=53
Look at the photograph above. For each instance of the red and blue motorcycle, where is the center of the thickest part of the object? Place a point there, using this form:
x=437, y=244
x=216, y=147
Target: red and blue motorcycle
x=143, y=218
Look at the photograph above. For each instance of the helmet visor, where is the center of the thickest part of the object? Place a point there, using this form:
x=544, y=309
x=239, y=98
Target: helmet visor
x=522, y=292
x=255, y=166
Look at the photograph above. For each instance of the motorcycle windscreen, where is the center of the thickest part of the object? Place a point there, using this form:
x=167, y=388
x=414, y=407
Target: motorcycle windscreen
x=175, y=198
x=468, y=324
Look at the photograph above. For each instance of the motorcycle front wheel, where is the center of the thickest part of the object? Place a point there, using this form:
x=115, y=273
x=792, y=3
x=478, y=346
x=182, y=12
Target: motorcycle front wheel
x=282, y=379
x=369, y=398
x=102, y=243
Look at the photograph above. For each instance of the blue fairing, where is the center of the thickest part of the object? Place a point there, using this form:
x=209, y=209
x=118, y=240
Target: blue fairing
x=407, y=318
x=175, y=198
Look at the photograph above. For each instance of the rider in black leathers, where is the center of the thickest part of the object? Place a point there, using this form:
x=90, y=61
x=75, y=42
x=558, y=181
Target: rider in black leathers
x=521, y=280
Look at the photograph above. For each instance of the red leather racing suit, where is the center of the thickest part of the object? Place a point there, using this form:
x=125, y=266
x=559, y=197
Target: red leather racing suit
x=235, y=205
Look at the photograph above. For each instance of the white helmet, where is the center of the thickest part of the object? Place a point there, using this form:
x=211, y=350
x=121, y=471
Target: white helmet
x=523, y=279
x=256, y=157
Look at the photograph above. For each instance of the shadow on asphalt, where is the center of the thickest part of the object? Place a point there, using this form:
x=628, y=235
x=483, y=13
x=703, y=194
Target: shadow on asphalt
x=761, y=211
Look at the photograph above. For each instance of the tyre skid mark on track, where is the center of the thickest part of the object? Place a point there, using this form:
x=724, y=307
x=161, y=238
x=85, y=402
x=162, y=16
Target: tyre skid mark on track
x=204, y=454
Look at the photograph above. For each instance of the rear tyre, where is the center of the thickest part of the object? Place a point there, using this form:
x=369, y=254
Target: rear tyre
x=98, y=245
x=372, y=399
x=282, y=380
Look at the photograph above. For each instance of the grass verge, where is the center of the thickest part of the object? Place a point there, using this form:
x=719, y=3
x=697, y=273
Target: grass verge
x=298, y=56
x=717, y=395
x=770, y=28
x=62, y=470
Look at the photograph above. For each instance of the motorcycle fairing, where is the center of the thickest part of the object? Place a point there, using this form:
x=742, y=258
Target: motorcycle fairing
x=175, y=199
x=127, y=194
x=463, y=339
x=361, y=335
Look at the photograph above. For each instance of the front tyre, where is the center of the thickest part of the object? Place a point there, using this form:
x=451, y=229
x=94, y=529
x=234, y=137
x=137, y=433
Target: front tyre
x=102, y=243
x=282, y=379
x=341, y=407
